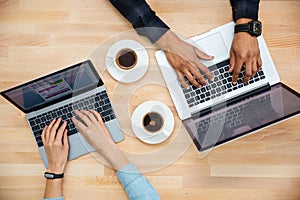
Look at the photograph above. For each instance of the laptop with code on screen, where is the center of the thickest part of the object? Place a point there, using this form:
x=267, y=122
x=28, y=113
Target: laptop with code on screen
x=58, y=95
x=220, y=112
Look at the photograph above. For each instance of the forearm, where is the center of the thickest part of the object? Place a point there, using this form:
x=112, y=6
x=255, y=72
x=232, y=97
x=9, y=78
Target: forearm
x=167, y=40
x=54, y=188
x=114, y=155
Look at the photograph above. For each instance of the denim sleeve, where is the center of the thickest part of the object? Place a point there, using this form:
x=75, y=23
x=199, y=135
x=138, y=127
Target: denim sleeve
x=57, y=198
x=142, y=18
x=245, y=9
x=135, y=184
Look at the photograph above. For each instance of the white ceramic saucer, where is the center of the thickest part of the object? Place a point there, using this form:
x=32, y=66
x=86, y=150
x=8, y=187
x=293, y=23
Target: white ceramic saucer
x=137, y=122
x=134, y=74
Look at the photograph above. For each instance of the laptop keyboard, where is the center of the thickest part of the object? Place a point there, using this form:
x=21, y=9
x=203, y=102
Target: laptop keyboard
x=232, y=118
x=221, y=85
x=99, y=102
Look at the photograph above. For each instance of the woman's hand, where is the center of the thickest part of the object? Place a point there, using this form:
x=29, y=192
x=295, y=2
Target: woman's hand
x=56, y=145
x=96, y=134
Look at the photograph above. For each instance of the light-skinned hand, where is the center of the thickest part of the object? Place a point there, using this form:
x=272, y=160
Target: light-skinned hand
x=56, y=145
x=93, y=129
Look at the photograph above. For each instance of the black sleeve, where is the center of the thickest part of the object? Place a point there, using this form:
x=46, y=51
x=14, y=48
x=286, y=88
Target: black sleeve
x=245, y=9
x=142, y=18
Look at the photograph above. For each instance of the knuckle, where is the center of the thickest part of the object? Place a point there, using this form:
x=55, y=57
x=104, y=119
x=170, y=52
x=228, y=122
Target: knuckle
x=236, y=73
x=259, y=64
x=251, y=54
x=242, y=56
x=199, y=78
x=188, y=75
x=248, y=75
x=258, y=52
x=180, y=80
x=195, y=83
x=56, y=143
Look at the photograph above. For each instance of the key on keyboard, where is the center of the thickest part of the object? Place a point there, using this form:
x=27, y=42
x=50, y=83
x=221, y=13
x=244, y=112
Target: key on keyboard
x=220, y=86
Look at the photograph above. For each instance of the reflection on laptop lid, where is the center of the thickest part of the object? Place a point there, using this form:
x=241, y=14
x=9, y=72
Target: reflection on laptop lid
x=225, y=123
x=57, y=87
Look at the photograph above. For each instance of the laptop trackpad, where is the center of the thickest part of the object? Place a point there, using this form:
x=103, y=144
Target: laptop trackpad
x=213, y=45
x=78, y=146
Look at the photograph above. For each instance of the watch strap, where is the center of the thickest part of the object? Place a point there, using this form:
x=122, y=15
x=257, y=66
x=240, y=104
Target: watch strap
x=49, y=175
x=253, y=28
x=241, y=28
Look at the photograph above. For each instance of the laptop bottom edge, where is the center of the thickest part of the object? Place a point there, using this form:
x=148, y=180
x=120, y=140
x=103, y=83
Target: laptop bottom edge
x=242, y=117
x=78, y=147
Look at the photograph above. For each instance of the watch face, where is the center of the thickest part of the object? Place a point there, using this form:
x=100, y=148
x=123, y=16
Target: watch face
x=256, y=28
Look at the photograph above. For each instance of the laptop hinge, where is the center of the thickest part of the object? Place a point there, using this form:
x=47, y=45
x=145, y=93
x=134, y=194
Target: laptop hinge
x=229, y=102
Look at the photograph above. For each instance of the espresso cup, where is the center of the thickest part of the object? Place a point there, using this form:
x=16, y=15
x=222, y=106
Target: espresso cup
x=126, y=59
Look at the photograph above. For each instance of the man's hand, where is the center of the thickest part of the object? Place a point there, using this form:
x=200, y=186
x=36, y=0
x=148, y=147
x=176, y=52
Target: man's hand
x=184, y=58
x=56, y=145
x=244, y=51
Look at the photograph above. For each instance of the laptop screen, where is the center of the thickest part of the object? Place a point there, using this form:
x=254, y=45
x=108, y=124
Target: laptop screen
x=54, y=87
x=223, y=124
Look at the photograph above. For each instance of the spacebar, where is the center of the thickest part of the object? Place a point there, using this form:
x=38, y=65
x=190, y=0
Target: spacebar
x=219, y=65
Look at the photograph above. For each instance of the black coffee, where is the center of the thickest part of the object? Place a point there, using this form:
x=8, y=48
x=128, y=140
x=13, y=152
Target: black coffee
x=126, y=59
x=153, y=122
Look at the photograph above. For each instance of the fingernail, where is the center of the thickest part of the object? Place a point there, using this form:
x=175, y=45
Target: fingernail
x=234, y=83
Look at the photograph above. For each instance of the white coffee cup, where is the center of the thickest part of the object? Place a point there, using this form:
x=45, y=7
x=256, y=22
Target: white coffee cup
x=159, y=125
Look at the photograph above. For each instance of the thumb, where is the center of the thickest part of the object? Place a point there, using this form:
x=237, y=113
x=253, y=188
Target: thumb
x=232, y=61
x=202, y=55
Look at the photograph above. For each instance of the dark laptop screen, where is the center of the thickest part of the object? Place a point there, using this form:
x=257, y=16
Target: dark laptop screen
x=54, y=87
x=243, y=116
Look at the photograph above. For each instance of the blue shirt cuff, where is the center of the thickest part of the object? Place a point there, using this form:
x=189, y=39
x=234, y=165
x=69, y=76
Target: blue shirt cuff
x=135, y=184
x=128, y=174
x=57, y=198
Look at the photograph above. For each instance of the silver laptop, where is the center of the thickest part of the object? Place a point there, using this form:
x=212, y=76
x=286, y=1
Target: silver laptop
x=220, y=111
x=58, y=95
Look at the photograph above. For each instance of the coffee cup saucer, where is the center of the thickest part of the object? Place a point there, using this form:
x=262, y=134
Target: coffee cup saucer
x=133, y=74
x=137, y=122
